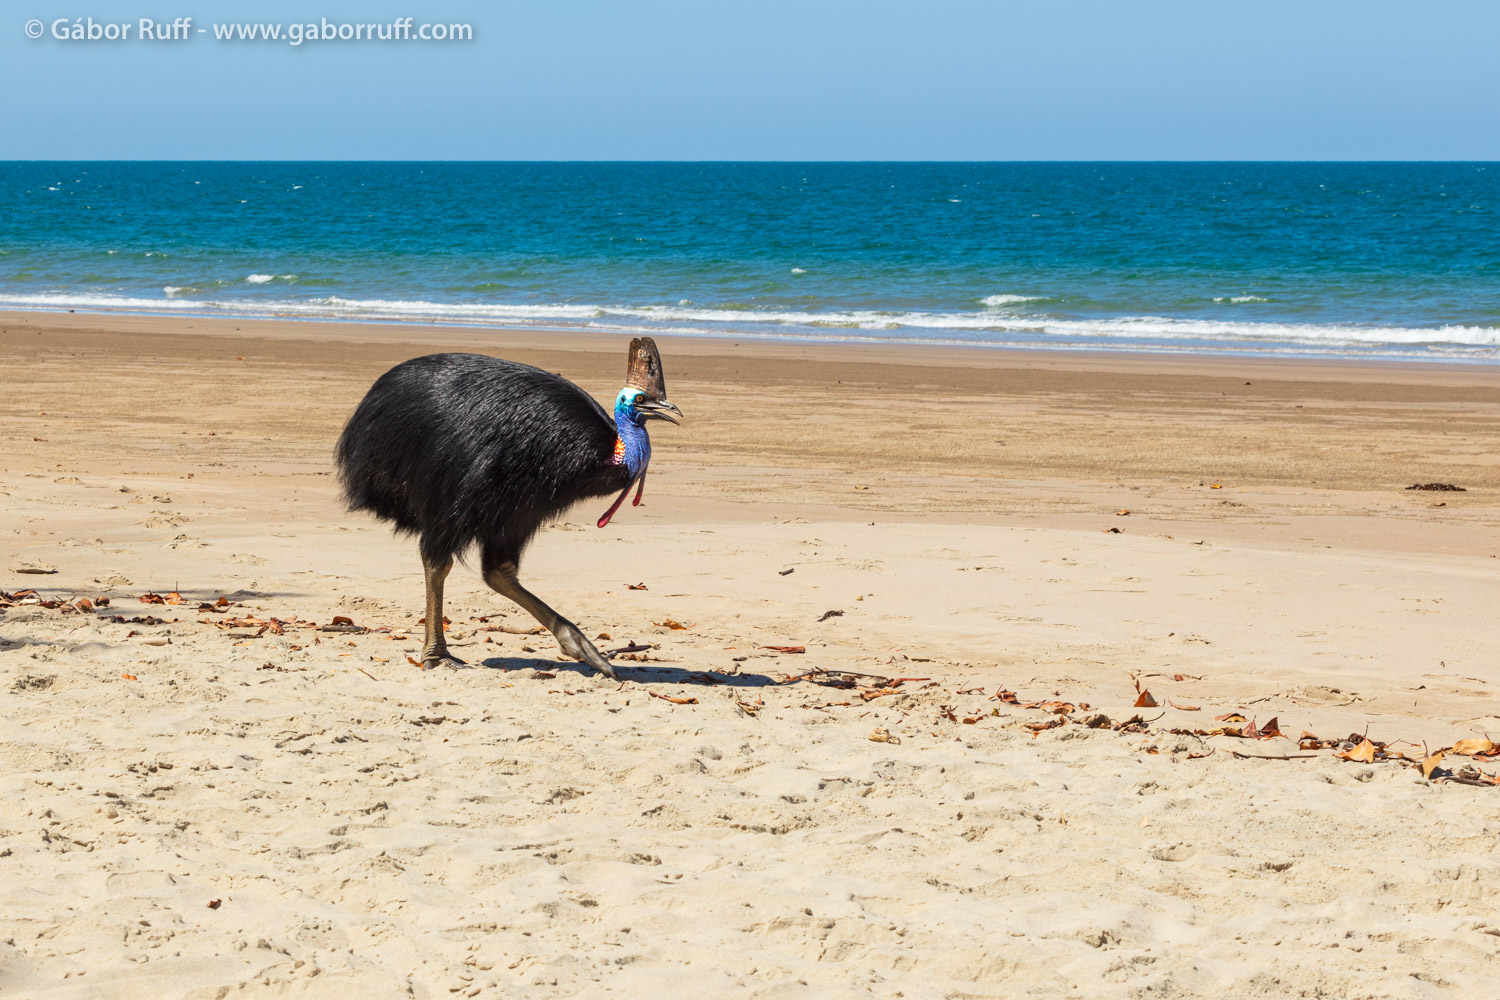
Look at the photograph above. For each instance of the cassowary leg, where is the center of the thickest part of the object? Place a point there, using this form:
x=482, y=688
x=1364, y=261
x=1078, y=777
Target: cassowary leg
x=502, y=579
x=435, y=649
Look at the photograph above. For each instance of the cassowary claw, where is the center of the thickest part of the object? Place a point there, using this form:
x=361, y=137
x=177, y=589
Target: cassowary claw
x=574, y=644
x=438, y=658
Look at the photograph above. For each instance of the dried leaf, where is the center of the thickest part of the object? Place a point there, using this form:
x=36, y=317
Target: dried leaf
x=175, y=598
x=881, y=735
x=1121, y=513
x=152, y=599
x=636, y=586
x=1364, y=753
x=675, y=701
x=1477, y=747
x=786, y=649
x=222, y=602
x=1007, y=697
x=1185, y=708
x=214, y=904
x=129, y=677
x=831, y=614
x=1429, y=764
x=1270, y=730
x=671, y=623
x=1145, y=701
x=342, y=620
x=1234, y=718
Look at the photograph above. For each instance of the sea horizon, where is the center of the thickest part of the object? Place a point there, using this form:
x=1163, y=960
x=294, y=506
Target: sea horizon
x=1388, y=260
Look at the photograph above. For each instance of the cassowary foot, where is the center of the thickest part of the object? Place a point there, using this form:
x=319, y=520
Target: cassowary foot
x=440, y=657
x=574, y=644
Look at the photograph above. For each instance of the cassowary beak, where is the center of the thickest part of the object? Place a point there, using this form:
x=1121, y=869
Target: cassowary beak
x=658, y=409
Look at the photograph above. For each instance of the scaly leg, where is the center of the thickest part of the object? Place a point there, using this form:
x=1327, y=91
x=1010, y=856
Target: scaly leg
x=435, y=649
x=502, y=579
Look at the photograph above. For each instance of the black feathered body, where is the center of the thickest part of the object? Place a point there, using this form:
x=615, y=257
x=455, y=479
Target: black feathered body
x=464, y=449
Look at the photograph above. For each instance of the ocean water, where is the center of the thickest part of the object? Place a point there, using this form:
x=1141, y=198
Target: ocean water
x=1396, y=260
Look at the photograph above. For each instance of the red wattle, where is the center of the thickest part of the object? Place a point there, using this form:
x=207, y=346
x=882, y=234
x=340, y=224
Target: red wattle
x=616, y=505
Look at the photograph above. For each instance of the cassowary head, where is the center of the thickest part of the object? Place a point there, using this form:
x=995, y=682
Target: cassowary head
x=645, y=394
x=643, y=398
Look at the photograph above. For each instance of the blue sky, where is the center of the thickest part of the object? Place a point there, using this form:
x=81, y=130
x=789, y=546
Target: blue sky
x=766, y=79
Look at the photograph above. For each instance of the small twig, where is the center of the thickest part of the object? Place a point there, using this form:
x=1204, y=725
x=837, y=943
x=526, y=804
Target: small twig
x=367, y=673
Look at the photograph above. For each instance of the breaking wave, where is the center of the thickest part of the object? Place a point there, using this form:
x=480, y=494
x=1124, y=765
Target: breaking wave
x=978, y=327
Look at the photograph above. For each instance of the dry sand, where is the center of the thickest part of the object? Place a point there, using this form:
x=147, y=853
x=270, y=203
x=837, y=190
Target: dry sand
x=525, y=829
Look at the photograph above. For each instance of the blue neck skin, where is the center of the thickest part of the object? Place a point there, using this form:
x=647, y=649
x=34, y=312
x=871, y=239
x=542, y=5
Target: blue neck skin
x=628, y=426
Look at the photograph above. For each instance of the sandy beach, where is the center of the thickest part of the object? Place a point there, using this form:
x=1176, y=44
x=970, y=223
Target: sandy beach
x=250, y=799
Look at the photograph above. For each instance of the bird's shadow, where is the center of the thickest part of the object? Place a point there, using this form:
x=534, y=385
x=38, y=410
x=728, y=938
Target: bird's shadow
x=636, y=675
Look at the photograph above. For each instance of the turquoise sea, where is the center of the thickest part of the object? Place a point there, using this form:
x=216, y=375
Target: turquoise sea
x=1393, y=260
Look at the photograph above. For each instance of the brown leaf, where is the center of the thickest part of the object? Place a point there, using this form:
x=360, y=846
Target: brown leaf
x=1145, y=701
x=831, y=614
x=1477, y=747
x=675, y=701
x=129, y=677
x=636, y=586
x=1121, y=513
x=671, y=623
x=152, y=599
x=1177, y=677
x=342, y=620
x=1270, y=729
x=1362, y=754
x=214, y=904
x=84, y=604
x=1185, y=708
x=1007, y=697
x=1234, y=718
x=413, y=662
x=1429, y=764
x=603, y=636
x=786, y=649
x=222, y=602
x=175, y=598
x=969, y=720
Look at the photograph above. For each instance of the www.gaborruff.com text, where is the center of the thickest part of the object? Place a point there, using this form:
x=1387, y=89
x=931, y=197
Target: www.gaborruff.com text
x=403, y=29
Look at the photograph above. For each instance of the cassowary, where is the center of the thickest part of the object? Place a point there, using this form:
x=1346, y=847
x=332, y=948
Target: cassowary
x=463, y=449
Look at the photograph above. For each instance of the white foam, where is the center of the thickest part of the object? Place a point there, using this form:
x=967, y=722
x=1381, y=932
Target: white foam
x=171, y=290
x=1239, y=298
x=1007, y=300
x=977, y=327
x=798, y=270
x=260, y=279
